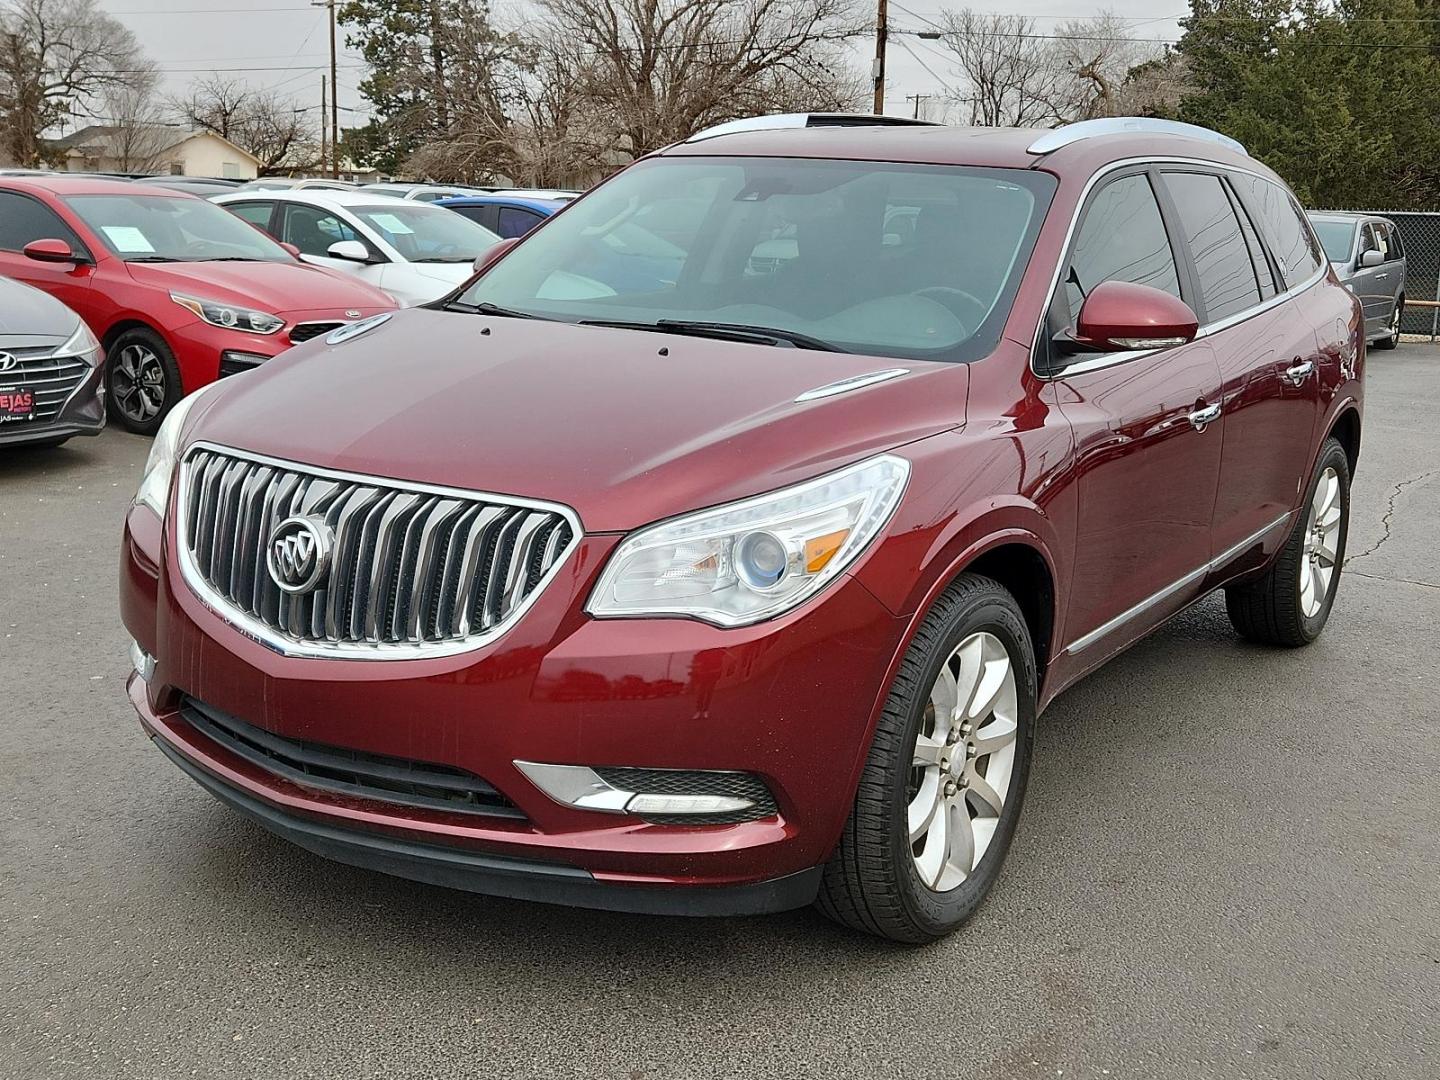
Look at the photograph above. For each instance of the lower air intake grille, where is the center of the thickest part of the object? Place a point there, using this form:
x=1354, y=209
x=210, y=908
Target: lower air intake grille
x=306, y=330
x=350, y=772
x=740, y=785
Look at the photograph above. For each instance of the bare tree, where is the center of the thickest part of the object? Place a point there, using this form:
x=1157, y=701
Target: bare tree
x=139, y=128
x=1098, y=55
x=1008, y=71
x=57, y=59
x=655, y=71
x=259, y=122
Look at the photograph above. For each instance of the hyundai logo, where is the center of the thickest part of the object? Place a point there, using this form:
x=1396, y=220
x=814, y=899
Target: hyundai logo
x=7, y=361
x=298, y=557
x=352, y=314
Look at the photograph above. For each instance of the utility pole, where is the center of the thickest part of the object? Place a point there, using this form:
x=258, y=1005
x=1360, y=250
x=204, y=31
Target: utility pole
x=323, y=107
x=877, y=72
x=334, y=118
x=917, y=99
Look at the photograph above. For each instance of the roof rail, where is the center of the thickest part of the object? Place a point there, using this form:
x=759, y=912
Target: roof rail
x=1123, y=125
x=806, y=120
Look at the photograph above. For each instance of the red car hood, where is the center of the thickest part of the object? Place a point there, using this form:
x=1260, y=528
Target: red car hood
x=593, y=418
x=268, y=286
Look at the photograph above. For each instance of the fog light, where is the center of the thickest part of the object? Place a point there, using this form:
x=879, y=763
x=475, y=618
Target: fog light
x=142, y=661
x=664, y=796
x=233, y=362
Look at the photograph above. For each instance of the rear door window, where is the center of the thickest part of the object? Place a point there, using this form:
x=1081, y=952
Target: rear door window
x=1224, y=272
x=1122, y=238
x=1284, y=226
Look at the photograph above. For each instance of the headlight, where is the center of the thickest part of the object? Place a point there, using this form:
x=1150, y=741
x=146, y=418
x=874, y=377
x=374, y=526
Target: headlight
x=752, y=560
x=164, y=453
x=82, y=345
x=230, y=316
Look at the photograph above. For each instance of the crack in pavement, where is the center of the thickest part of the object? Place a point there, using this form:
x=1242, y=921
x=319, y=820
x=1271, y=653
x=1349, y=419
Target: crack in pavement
x=1396, y=580
x=1390, y=513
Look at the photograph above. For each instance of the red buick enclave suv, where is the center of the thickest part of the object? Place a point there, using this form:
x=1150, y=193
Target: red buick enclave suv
x=717, y=548
x=179, y=291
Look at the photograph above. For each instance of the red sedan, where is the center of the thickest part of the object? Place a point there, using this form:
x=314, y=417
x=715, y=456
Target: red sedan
x=178, y=291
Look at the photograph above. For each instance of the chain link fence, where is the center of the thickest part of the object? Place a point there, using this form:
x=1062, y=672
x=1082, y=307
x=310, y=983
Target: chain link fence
x=1420, y=235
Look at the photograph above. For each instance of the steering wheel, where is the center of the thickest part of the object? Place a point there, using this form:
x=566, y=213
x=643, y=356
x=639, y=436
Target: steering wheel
x=956, y=301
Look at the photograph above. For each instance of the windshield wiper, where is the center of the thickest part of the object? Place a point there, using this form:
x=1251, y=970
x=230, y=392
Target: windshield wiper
x=772, y=335
x=447, y=259
x=488, y=308
x=153, y=258
x=232, y=258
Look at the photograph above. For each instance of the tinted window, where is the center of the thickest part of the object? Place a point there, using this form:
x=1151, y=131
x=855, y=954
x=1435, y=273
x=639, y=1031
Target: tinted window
x=797, y=245
x=1223, y=270
x=1264, y=275
x=1337, y=238
x=1122, y=238
x=256, y=213
x=313, y=230
x=1284, y=226
x=1397, y=247
x=516, y=222
x=24, y=220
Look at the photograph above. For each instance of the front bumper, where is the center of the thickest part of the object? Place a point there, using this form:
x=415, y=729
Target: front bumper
x=791, y=702
x=82, y=414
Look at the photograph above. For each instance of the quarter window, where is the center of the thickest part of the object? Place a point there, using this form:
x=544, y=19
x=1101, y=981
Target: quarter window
x=24, y=220
x=1122, y=238
x=1284, y=227
x=1223, y=270
x=516, y=222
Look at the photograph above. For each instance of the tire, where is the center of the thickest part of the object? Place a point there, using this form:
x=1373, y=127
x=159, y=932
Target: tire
x=1274, y=610
x=875, y=882
x=142, y=380
x=1392, y=337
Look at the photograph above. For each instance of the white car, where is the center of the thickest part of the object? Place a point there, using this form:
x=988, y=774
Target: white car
x=415, y=252
x=420, y=192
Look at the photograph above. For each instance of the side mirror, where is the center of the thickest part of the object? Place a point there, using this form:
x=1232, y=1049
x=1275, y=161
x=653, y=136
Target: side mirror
x=491, y=255
x=52, y=251
x=349, y=250
x=1371, y=258
x=291, y=248
x=1119, y=315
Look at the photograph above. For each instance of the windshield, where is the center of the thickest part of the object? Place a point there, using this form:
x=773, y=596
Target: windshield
x=423, y=233
x=1336, y=237
x=914, y=261
x=159, y=228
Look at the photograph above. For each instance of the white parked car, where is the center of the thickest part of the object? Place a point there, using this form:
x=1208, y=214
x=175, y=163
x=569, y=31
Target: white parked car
x=420, y=192
x=415, y=252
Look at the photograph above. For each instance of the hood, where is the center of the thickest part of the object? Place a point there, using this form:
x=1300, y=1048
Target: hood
x=28, y=312
x=268, y=286
x=451, y=274
x=593, y=418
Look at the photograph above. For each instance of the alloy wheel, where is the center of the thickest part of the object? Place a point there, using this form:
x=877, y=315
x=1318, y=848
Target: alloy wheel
x=962, y=763
x=1322, y=538
x=139, y=383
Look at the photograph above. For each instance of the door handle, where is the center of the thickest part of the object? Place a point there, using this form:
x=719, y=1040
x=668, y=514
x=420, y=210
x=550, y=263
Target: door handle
x=1200, y=418
x=1381, y=277
x=1300, y=372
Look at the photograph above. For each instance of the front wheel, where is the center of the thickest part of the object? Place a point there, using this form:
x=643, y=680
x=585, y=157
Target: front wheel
x=942, y=789
x=1291, y=603
x=142, y=380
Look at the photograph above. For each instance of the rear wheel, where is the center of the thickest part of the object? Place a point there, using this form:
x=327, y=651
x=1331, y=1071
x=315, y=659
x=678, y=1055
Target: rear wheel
x=142, y=380
x=1291, y=603
x=1392, y=332
x=943, y=786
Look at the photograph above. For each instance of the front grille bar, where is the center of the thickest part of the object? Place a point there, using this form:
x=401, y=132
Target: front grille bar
x=414, y=570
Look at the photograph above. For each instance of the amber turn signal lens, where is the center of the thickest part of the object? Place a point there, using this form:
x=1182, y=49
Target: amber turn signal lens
x=822, y=549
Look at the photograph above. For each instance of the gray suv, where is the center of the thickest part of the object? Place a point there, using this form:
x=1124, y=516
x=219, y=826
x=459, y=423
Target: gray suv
x=1369, y=259
x=51, y=384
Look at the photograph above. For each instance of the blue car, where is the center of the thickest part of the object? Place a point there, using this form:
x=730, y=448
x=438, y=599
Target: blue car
x=507, y=215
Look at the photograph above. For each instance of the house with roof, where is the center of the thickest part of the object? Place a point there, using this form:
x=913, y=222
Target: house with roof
x=152, y=149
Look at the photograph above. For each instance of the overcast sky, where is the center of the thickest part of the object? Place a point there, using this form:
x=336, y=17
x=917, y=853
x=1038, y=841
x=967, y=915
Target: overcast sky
x=284, y=43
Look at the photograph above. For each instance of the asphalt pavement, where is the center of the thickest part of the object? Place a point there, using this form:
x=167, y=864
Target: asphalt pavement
x=1229, y=866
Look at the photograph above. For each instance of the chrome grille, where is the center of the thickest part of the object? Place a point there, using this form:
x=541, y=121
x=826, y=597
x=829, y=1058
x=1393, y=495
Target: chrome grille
x=414, y=570
x=53, y=378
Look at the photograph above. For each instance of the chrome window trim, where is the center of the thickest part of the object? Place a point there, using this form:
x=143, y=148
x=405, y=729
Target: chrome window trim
x=390, y=651
x=1085, y=641
x=1105, y=360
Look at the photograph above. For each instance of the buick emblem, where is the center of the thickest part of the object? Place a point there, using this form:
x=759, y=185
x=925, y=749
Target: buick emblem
x=7, y=361
x=298, y=556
